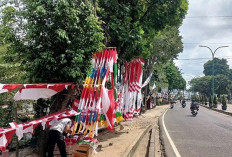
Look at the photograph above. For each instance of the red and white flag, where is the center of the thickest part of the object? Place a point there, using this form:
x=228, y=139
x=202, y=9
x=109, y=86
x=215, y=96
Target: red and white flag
x=6, y=137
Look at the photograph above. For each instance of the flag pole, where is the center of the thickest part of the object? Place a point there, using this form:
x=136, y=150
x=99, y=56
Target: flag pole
x=16, y=119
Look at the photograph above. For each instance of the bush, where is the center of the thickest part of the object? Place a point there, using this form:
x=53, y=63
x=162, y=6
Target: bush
x=224, y=101
x=205, y=100
x=215, y=102
x=210, y=101
x=224, y=105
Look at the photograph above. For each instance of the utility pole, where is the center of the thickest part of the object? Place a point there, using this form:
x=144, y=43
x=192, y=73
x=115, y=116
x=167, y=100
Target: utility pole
x=213, y=54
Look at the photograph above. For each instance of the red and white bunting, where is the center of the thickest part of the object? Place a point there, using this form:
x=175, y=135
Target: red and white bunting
x=36, y=91
x=8, y=87
x=28, y=127
x=5, y=137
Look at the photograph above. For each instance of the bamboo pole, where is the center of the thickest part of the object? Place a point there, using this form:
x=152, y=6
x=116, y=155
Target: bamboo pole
x=16, y=119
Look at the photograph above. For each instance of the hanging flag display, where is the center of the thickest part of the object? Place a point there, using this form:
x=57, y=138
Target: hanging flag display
x=97, y=102
x=154, y=86
x=147, y=80
x=101, y=104
x=129, y=97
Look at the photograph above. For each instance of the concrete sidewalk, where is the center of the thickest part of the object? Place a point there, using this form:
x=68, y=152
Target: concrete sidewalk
x=124, y=139
x=219, y=109
x=229, y=107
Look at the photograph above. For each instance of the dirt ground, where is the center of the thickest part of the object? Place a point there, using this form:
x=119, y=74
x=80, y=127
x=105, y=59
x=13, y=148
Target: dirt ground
x=26, y=152
x=118, y=142
x=115, y=144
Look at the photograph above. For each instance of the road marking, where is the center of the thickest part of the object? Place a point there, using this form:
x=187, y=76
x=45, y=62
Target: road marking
x=169, y=138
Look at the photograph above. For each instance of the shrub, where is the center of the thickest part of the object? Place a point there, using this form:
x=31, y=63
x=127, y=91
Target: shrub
x=210, y=101
x=224, y=104
x=215, y=102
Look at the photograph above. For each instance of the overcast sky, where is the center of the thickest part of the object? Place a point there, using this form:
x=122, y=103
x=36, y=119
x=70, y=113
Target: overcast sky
x=201, y=27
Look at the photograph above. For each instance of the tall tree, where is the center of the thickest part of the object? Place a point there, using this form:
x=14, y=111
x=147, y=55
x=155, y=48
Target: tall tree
x=9, y=72
x=174, y=77
x=202, y=85
x=230, y=74
x=10, y=66
x=222, y=84
x=220, y=67
x=167, y=44
x=159, y=77
x=53, y=42
x=56, y=40
x=132, y=25
x=61, y=38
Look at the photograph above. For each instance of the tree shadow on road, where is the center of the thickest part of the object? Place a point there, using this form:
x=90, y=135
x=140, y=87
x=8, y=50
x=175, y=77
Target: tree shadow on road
x=189, y=116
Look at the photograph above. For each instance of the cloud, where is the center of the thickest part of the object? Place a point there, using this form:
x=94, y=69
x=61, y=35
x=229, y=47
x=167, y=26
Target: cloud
x=201, y=28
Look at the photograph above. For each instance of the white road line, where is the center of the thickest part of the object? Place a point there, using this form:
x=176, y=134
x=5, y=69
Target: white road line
x=169, y=138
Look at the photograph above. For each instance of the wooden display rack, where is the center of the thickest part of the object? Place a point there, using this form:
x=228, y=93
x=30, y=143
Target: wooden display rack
x=83, y=150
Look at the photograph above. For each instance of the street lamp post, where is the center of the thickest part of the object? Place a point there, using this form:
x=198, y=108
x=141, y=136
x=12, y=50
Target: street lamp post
x=213, y=54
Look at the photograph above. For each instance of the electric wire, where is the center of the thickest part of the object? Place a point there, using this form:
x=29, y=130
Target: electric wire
x=192, y=59
x=200, y=17
x=207, y=43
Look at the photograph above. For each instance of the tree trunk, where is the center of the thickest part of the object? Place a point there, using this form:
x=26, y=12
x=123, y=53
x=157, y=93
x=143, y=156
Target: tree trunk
x=42, y=142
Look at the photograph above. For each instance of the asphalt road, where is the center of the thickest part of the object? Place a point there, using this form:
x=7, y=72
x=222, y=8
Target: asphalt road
x=209, y=134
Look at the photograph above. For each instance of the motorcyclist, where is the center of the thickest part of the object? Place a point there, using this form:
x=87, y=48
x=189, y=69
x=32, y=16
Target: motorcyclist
x=183, y=102
x=194, y=105
x=172, y=102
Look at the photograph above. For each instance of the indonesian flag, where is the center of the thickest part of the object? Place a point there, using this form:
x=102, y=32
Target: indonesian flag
x=108, y=103
x=36, y=91
x=108, y=106
x=75, y=104
x=129, y=115
x=115, y=55
x=8, y=87
x=139, y=72
x=5, y=137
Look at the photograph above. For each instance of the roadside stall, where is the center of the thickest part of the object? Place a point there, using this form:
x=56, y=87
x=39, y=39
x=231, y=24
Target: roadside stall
x=100, y=105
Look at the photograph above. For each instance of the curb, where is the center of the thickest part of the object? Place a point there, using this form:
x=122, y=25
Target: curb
x=162, y=143
x=135, y=144
x=152, y=144
x=166, y=148
x=217, y=110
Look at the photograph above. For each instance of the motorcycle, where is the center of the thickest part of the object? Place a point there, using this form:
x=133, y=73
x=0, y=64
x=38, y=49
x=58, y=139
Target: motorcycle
x=194, y=111
x=172, y=105
x=183, y=105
